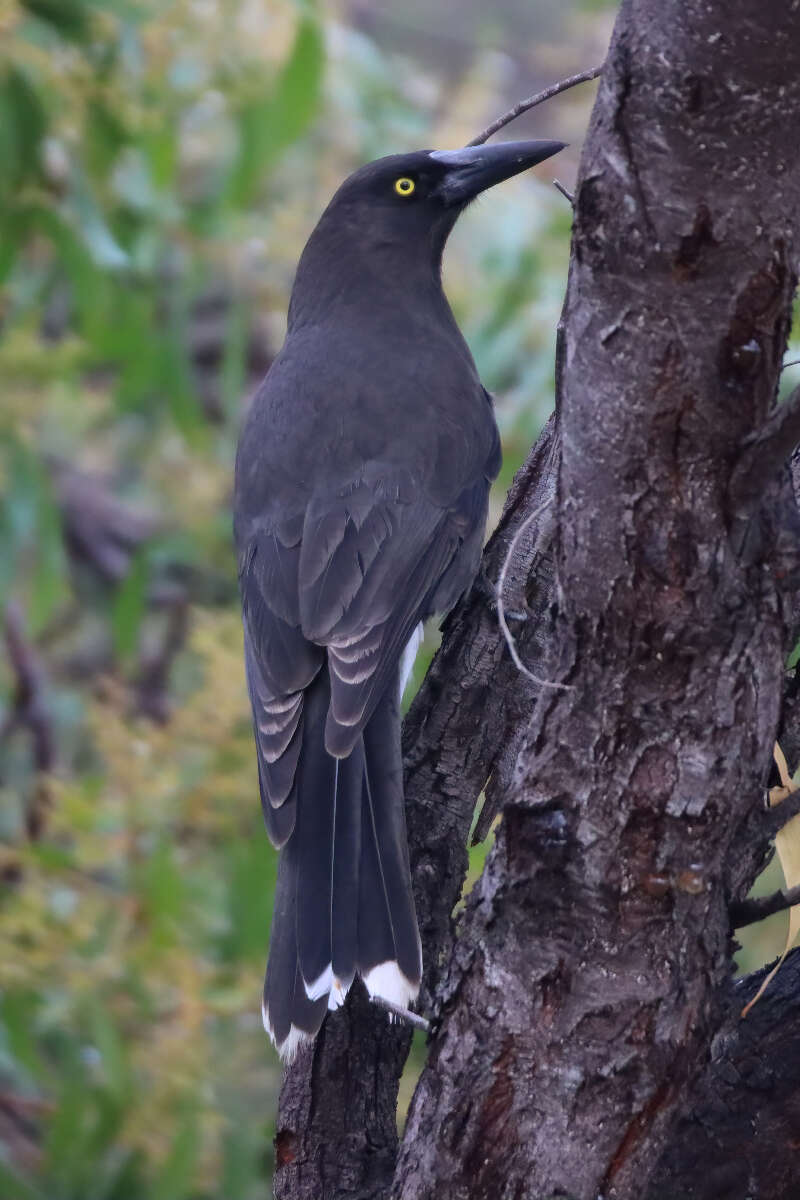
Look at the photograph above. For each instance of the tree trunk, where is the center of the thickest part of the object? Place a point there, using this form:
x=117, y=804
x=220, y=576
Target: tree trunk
x=575, y=1012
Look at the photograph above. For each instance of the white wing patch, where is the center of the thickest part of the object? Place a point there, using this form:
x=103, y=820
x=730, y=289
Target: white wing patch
x=408, y=657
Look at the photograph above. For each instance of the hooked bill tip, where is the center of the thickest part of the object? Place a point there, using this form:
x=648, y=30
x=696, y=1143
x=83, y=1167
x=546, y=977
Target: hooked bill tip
x=473, y=169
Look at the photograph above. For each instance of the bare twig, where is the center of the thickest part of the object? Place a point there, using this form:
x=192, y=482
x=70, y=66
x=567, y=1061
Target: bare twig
x=795, y=362
x=30, y=706
x=30, y=710
x=560, y=188
x=152, y=686
x=524, y=105
x=747, y=912
x=501, y=611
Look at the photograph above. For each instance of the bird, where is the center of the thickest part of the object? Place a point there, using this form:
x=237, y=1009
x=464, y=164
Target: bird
x=360, y=504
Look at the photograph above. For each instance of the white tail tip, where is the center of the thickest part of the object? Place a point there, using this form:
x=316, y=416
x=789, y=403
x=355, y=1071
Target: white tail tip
x=288, y=1048
x=388, y=981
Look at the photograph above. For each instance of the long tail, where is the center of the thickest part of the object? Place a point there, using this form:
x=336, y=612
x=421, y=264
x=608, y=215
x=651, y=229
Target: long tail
x=343, y=902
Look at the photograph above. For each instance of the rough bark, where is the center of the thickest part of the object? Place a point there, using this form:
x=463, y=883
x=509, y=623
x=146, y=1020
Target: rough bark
x=738, y=1135
x=583, y=993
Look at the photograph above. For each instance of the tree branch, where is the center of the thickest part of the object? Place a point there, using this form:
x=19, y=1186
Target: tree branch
x=758, y=908
x=523, y=106
x=31, y=711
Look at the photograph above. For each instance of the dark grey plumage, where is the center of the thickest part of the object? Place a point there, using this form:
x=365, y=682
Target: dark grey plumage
x=362, y=485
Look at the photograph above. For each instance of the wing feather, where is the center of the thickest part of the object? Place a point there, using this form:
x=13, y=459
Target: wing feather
x=365, y=569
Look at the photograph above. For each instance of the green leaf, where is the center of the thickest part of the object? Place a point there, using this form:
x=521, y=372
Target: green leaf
x=70, y=18
x=49, y=586
x=17, y=1011
x=160, y=145
x=106, y=1038
x=239, y=1165
x=163, y=894
x=88, y=218
x=176, y=1178
x=72, y=254
x=12, y=229
x=794, y=658
x=14, y=1187
x=124, y=1178
x=103, y=137
x=268, y=125
x=30, y=532
x=129, y=607
x=22, y=126
x=65, y=1141
x=252, y=869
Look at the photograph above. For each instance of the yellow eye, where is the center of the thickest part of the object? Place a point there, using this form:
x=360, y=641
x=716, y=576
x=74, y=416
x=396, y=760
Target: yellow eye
x=404, y=186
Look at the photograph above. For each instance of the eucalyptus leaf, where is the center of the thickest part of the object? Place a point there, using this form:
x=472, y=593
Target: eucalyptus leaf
x=271, y=123
x=24, y=124
x=70, y=18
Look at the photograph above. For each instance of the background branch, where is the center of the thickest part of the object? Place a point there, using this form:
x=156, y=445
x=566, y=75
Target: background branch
x=523, y=106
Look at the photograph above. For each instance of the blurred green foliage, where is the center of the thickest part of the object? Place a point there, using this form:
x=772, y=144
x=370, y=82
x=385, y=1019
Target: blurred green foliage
x=162, y=166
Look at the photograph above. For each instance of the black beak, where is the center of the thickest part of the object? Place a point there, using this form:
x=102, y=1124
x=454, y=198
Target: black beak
x=475, y=168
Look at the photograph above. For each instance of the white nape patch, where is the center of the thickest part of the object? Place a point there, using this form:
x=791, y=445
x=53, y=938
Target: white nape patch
x=337, y=995
x=388, y=981
x=291, y=1044
x=408, y=656
x=321, y=985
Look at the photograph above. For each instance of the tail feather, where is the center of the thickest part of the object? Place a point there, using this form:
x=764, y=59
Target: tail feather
x=387, y=920
x=343, y=901
x=344, y=870
x=288, y=1013
x=313, y=839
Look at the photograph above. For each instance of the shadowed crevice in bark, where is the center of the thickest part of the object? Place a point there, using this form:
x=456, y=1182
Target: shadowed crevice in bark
x=738, y=1134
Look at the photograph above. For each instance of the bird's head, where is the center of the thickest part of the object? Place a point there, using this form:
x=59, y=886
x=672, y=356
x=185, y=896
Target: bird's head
x=395, y=215
x=405, y=196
